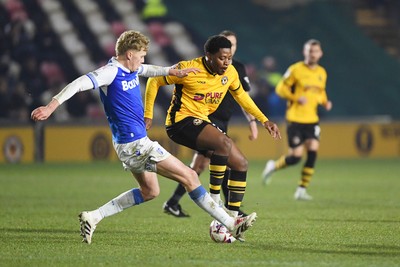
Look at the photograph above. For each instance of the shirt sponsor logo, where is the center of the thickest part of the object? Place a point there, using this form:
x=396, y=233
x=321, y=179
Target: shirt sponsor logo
x=209, y=98
x=214, y=97
x=126, y=85
x=198, y=97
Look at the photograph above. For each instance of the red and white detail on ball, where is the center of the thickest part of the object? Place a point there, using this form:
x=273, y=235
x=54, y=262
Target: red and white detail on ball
x=219, y=233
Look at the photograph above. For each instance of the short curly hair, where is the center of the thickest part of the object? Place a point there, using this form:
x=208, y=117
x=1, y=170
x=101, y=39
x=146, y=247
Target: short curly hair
x=215, y=43
x=131, y=40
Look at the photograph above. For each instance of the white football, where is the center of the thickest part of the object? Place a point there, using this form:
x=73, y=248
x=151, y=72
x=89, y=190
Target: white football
x=219, y=233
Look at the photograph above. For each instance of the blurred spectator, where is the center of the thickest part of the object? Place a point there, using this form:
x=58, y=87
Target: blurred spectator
x=48, y=45
x=269, y=78
x=19, y=104
x=80, y=105
x=61, y=114
x=4, y=97
x=32, y=77
x=19, y=33
x=269, y=73
x=52, y=73
x=153, y=10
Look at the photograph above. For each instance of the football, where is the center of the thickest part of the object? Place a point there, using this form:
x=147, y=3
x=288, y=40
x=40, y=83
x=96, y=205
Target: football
x=219, y=233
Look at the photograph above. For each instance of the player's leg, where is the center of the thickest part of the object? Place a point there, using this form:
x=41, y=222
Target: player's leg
x=212, y=139
x=224, y=186
x=311, y=134
x=148, y=189
x=201, y=135
x=307, y=172
x=174, y=169
x=238, y=165
x=172, y=206
x=295, y=152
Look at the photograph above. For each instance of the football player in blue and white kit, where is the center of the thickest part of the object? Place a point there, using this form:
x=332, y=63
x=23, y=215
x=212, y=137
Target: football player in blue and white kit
x=119, y=88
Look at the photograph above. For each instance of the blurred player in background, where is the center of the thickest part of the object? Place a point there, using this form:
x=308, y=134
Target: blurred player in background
x=194, y=99
x=220, y=118
x=119, y=88
x=303, y=86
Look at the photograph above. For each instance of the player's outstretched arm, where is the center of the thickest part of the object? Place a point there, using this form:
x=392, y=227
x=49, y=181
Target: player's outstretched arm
x=80, y=84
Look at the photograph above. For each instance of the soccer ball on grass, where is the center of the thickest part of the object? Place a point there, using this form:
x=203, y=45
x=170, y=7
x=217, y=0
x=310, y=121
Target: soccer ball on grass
x=219, y=233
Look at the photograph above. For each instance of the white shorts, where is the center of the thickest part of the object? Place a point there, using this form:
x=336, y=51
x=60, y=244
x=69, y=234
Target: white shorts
x=141, y=155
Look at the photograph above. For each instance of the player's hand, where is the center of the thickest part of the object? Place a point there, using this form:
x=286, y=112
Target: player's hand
x=273, y=129
x=183, y=72
x=148, y=122
x=328, y=105
x=41, y=113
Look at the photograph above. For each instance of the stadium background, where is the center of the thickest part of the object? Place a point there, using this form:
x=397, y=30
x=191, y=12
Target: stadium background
x=47, y=43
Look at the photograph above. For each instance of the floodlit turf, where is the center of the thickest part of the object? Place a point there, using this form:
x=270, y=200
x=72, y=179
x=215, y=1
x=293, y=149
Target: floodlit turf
x=354, y=219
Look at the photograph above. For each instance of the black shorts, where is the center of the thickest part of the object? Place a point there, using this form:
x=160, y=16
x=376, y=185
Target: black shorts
x=297, y=133
x=220, y=124
x=186, y=131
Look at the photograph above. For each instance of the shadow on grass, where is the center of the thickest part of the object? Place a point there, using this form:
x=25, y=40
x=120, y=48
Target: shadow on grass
x=355, y=220
x=354, y=249
x=24, y=230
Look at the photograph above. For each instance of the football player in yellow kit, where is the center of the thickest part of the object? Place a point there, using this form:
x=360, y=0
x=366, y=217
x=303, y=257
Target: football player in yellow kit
x=303, y=86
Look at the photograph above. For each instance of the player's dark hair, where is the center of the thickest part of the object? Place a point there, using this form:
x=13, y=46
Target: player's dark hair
x=215, y=43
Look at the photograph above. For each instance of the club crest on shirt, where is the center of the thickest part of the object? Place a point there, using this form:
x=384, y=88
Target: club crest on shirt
x=224, y=80
x=197, y=122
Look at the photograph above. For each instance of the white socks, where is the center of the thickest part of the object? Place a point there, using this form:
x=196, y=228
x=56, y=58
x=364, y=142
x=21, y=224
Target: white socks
x=123, y=201
x=207, y=203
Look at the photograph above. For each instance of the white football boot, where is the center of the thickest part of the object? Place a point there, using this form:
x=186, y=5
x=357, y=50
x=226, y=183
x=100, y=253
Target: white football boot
x=301, y=194
x=242, y=224
x=268, y=170
x=88, y=226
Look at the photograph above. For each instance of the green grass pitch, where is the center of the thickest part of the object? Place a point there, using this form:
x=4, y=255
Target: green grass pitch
x=354, y=219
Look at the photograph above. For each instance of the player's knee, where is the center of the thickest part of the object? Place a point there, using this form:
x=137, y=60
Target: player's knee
x=292, y=160
x=239, y=164
x=244, y=164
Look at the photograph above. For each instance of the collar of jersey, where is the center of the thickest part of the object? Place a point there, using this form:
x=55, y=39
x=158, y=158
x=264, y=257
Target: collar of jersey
x=115, y=62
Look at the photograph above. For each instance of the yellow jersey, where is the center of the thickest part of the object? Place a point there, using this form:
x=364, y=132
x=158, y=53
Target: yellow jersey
x=302, y=81
x=198, y=95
